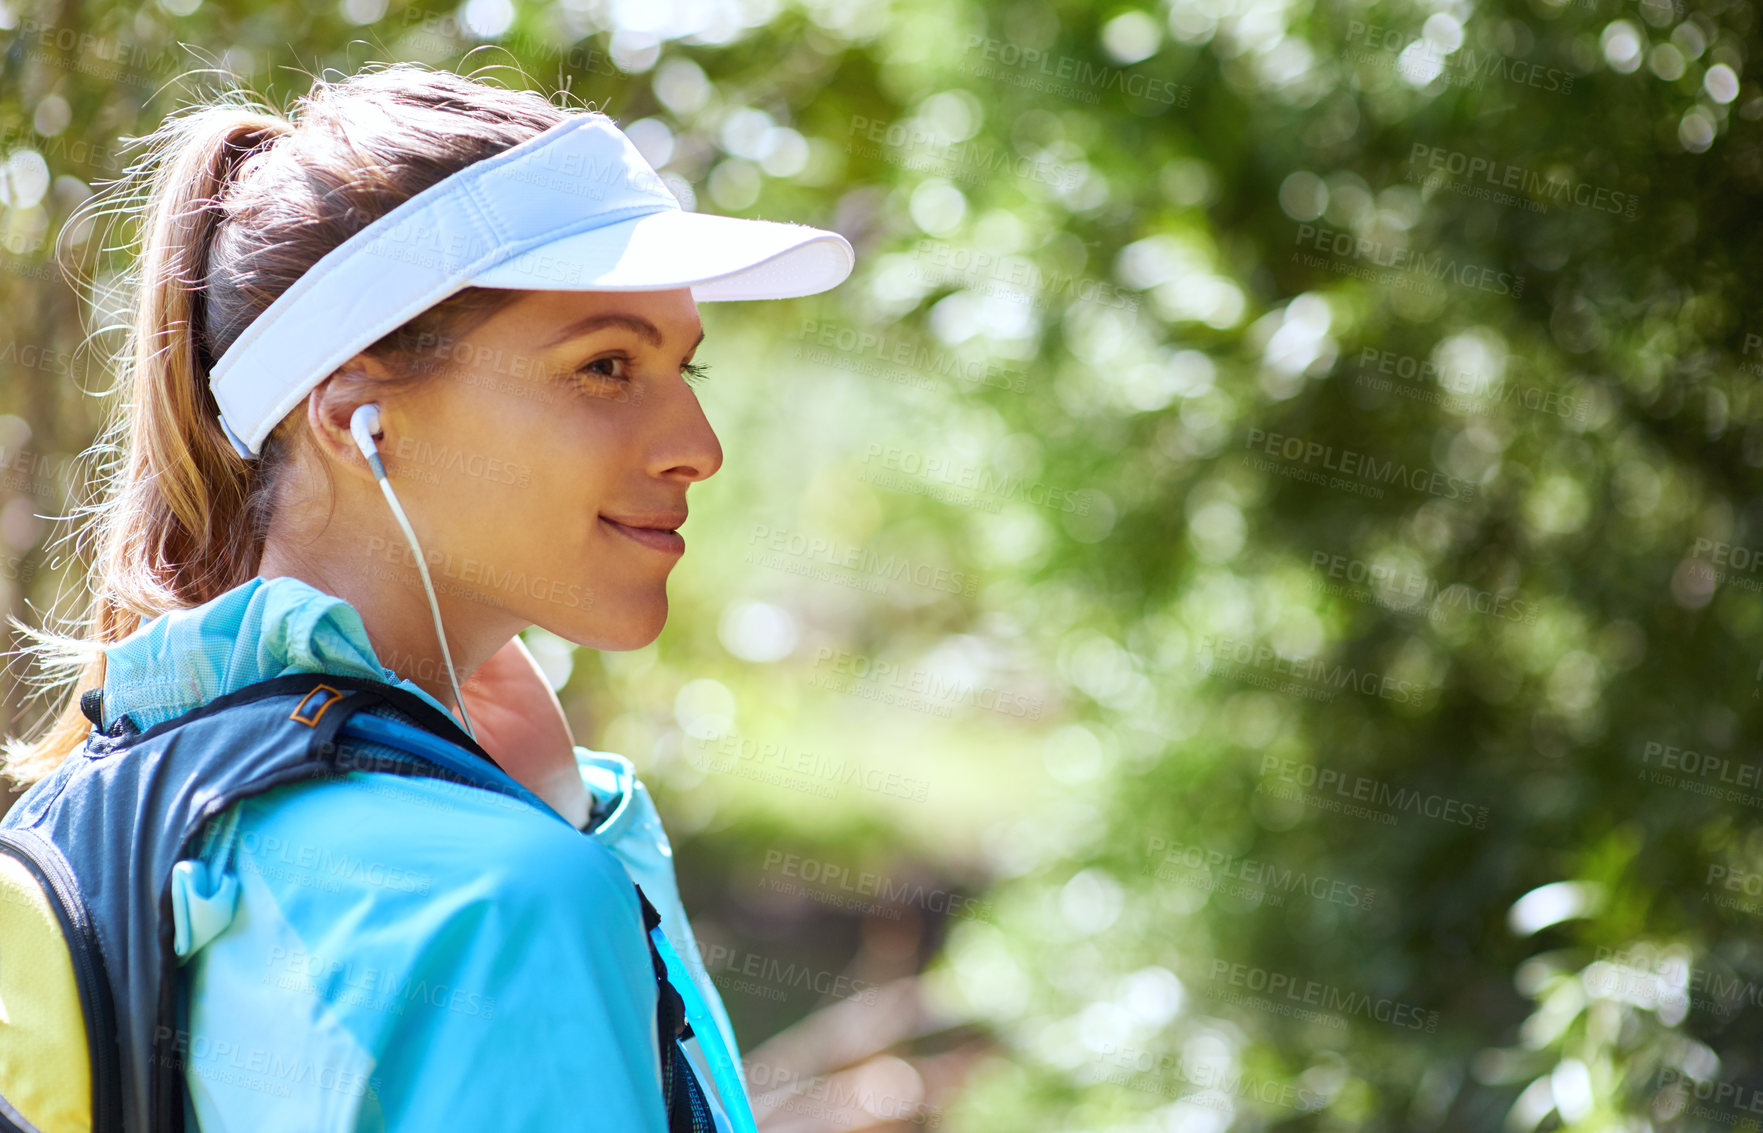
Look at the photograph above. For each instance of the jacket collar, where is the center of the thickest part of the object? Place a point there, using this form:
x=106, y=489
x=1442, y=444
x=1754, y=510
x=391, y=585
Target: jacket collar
x=263, y=628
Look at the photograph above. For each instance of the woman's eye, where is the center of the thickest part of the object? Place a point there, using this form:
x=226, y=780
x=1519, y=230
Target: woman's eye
x=610, y=359
x=614, y=366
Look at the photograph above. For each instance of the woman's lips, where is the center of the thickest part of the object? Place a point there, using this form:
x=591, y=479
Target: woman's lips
x=668, y=542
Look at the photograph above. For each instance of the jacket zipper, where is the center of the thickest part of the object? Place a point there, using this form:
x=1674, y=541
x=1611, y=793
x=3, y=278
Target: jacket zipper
x=94, y=986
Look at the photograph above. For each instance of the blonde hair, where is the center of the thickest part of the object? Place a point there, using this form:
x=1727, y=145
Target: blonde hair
x=233, y=202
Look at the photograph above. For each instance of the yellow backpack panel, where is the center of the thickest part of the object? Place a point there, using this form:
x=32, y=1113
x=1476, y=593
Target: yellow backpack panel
x=45, y=1064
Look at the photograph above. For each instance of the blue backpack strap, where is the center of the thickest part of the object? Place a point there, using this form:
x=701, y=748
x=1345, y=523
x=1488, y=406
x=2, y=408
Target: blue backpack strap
x=438, y=752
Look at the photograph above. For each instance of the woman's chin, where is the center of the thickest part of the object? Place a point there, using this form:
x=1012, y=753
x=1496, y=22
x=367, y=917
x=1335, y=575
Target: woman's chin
x=639, y=623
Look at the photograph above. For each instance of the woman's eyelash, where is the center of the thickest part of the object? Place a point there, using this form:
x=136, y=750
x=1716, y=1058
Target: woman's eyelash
x=695, y=371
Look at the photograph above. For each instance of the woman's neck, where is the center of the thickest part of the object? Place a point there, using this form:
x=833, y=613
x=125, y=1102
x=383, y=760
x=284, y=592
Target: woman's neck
x=377, y=576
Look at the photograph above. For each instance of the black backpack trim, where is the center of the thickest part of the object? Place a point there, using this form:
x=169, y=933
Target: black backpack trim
x=681, y=1092
x=368, y=690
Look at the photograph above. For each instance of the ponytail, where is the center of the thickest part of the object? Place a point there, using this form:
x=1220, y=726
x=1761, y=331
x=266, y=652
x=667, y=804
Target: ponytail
x=234, y=203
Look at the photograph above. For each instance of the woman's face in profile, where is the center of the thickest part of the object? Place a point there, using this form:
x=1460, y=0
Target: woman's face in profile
x=537, y=461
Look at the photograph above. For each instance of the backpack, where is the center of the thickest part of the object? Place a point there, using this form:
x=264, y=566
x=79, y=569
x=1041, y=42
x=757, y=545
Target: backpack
x=89, y=1041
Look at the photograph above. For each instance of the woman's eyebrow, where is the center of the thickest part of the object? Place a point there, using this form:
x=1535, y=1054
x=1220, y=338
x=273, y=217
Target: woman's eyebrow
x=635, y=323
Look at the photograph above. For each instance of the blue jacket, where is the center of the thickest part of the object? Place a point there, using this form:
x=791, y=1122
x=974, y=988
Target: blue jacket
x=374, y=952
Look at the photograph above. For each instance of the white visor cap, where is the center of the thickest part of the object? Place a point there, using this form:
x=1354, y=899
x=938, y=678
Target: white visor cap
x=575, y=208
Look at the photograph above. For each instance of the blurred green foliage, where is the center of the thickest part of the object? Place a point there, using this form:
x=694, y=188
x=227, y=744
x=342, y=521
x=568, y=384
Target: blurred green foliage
x=1250, y=586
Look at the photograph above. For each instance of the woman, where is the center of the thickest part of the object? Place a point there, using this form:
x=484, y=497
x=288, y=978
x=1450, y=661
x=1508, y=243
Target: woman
x=423, y=283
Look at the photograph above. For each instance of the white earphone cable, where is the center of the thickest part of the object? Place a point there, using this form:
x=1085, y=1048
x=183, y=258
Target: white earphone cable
x=363, y=424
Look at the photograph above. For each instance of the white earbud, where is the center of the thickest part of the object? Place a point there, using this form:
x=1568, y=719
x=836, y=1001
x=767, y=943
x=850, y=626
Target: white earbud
x=364, y=424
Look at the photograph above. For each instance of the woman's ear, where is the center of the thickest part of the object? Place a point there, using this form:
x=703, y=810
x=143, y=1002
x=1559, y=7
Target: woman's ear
x=333, y=402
